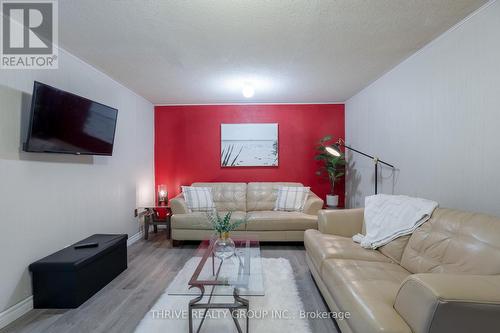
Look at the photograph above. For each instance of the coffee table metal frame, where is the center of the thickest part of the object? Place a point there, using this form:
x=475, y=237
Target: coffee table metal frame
x=239, y=303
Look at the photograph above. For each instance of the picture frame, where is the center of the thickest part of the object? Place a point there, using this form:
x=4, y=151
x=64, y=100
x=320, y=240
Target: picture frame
x=249, y=145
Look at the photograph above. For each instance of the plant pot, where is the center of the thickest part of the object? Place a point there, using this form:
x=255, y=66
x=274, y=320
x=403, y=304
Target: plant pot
x=224, y=247
x=332, y=200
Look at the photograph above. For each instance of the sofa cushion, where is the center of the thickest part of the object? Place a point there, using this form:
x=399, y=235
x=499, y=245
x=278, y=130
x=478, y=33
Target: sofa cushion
x=453, y=241
x=273, y=220
x=200, y=221
x=198, y=199
x=367, y=290
x=291, y=198
x=321, y=246
x=228, y=196
x=262, y=196
x=395, y=248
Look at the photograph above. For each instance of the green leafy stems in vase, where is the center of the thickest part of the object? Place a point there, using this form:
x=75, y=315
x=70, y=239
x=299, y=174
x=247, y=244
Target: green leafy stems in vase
x=224, y=246
x=223, y=224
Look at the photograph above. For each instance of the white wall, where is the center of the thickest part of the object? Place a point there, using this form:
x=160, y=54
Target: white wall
x=48, y=201
x=436, y=117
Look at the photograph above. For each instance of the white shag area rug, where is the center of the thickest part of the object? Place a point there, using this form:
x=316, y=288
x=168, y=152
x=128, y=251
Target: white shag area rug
x=278, y=311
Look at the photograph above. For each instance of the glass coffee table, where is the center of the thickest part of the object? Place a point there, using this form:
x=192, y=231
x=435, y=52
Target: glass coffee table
x=239, y=276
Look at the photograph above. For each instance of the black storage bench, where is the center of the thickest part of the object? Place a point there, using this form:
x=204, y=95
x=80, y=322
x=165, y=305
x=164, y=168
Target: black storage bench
x=69, y=277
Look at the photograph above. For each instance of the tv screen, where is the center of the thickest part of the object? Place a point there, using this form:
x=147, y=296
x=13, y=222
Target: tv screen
x=62, y=122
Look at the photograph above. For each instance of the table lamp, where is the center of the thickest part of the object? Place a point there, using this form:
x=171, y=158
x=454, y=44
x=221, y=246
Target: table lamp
x=162, y=195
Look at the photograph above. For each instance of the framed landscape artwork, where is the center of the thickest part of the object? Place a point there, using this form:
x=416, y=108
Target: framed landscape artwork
x=247, y=145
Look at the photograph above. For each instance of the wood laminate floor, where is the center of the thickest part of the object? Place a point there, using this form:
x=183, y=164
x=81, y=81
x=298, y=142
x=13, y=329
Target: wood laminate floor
x=120, y=306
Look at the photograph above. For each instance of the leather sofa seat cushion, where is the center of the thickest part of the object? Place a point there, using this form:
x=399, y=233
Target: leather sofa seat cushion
x=274, y=220
x=453, y=241
x=366, y=289
x=321, y=246
x=262, y=196
x=228, y=196
x=200, y=220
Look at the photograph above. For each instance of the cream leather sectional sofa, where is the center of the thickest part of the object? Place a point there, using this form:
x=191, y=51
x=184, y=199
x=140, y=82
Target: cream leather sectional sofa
x=444, y=278
x=253, y=201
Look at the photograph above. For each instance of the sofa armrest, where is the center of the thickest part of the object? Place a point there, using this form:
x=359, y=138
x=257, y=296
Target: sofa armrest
x=341, y=222
x=178, y=205
x=313, y=204
x=437, y=302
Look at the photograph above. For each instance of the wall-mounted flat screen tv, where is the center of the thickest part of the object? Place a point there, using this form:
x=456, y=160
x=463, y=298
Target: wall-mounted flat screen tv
x=62, y=122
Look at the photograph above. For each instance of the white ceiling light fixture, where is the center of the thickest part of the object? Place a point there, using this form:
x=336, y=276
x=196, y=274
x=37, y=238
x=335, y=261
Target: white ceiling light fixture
x=244, y=87
x=248, y=90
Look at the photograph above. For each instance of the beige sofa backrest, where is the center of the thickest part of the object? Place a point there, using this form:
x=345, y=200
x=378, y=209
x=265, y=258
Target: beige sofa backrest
x=395, y=249
x=453, y=241
x=228, y=196
x=262, y=196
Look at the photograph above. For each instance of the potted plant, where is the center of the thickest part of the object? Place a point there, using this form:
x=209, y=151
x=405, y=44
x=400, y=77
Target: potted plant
x=224, y=246
x=332, y=168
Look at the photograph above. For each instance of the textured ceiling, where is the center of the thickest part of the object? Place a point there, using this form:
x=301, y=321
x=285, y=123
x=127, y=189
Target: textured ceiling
x=190, y=52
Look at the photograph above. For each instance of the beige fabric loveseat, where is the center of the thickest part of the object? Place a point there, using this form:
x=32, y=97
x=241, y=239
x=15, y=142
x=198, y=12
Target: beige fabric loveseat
x=444, y=278
x=253, y=201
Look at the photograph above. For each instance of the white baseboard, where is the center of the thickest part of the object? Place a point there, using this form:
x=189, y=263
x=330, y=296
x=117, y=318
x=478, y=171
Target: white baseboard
x=134, y=238
x=16, y=311
x=26, y=305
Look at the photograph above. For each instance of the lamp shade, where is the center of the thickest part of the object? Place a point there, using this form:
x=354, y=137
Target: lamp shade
x=333, y=150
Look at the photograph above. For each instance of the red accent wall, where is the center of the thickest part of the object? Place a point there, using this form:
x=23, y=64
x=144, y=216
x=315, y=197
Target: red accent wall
x=187, y=143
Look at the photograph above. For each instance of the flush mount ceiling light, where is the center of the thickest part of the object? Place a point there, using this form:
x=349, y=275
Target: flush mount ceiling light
x=248, y=90
x=245, y=86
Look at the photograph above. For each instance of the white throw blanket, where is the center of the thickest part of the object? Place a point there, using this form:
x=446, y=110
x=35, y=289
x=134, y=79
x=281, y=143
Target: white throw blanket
x=388, y=217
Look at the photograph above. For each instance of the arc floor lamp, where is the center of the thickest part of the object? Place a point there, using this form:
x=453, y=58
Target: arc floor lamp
x=335, y=151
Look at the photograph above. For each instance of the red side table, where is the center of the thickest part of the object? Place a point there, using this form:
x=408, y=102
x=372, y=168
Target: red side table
x=155, y=216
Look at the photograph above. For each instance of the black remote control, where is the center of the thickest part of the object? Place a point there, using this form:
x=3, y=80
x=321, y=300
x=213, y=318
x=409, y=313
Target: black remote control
x=86, y=245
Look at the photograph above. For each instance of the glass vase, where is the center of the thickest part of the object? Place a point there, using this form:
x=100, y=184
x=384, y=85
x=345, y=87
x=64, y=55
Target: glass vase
x=224, y=246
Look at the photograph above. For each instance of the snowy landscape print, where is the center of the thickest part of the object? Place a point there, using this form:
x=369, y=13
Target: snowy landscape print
x=249, y=145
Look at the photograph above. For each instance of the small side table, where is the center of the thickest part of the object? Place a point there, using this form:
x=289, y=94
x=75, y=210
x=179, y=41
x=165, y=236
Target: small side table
x=153, y=217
